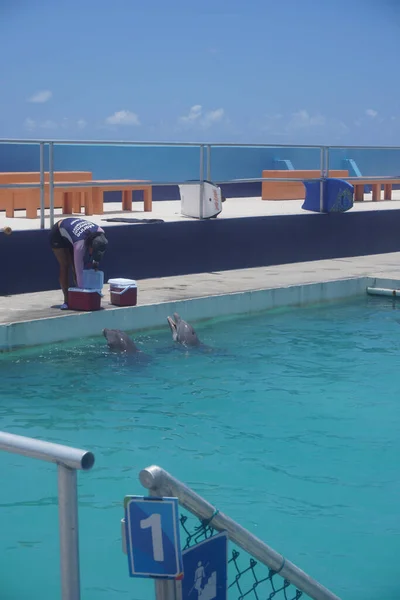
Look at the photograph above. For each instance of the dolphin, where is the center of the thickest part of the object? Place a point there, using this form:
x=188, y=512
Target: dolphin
x=119, y=341
x=182, y=332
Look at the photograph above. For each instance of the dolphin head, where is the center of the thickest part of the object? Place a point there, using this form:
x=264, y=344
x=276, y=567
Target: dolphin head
x=182, y=332
x=119, y=341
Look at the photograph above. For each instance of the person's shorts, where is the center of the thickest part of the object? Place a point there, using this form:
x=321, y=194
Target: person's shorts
x=57, y=240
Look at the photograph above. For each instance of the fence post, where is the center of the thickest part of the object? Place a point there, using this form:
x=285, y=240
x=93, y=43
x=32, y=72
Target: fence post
x=166, y=589
x=208, y=164
x=51, y=183
x=327, y=160
x=201, y=180
x=321, y=182
x=41, y=159
x=69, y=542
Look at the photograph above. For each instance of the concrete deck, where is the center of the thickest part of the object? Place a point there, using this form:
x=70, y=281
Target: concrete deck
x=41, y=305
x=171, y=211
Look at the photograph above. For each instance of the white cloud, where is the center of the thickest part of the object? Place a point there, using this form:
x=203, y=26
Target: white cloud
x=203, y=119
x=48, y=124
x=123, y=117
x=305, y=123
x=302, y=119
x=41, y=97
x=370, y=112
x=194, y=114
x=65, y=123
x=30, y=124
x=72, y=124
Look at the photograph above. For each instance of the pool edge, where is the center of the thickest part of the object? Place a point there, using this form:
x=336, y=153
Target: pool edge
x=23, y=334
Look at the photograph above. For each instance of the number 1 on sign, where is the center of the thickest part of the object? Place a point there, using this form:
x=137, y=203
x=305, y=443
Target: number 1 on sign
x=154, y=523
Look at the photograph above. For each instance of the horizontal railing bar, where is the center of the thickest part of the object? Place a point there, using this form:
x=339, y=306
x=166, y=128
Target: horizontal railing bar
x=363, y=147
x=161, y=483
x=197, y=144
x=155, y=143
x=73, y=458
x=116, y=182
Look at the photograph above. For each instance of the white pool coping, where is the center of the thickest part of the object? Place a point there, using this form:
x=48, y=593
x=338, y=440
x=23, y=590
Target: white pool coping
x=38, y=332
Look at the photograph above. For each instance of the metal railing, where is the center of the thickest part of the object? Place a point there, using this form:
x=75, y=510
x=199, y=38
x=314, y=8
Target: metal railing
x=68, y=461
x=160, y=483
x=205, y=166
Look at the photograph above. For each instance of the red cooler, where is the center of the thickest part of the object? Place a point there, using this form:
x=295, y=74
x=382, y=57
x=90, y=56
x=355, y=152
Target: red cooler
x=123, y=292
x=84, y=299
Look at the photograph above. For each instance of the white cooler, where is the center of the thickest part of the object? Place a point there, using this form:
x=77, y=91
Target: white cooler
x=211, y=201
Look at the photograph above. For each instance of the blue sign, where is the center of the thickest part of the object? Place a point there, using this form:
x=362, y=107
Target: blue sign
x=205, y=568
x=152, y=537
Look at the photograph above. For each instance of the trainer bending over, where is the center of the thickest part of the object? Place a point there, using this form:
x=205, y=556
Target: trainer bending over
x=76, y=243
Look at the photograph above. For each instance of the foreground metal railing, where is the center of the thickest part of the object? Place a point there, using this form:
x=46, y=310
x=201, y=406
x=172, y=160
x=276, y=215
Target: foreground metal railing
x=160, y=483
x=68, y=461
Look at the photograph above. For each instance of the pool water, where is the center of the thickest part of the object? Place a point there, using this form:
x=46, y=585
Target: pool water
x=291, y=427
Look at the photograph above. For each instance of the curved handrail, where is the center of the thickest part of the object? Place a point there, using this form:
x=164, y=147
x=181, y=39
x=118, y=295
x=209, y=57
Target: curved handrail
x=162, y=483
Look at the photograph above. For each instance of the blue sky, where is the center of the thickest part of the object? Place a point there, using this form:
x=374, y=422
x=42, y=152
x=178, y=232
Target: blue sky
x=261, y=71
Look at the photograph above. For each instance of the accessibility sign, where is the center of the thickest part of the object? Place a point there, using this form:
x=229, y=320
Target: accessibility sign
x=205, y=568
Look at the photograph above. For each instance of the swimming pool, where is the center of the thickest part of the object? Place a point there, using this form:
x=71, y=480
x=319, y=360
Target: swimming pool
x=290, y=427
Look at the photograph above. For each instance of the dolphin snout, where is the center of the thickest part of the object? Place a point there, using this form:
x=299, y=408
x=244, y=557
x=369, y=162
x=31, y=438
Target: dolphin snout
x=171, y=323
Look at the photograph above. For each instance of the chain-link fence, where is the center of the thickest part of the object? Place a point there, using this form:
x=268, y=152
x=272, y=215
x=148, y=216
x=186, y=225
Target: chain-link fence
x=247, y=578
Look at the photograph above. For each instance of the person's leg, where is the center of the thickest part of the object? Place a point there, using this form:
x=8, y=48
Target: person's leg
x=63, y=256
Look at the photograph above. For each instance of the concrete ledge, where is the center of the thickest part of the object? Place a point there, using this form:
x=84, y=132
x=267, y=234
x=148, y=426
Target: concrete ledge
x=76, y=326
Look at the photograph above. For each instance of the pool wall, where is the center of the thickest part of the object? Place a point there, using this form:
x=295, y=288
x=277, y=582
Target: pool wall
x=77, y=326
x=180, y=248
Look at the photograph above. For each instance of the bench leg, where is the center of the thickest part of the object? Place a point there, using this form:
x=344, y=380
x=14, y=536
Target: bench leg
x=387, y=191
x=148, y=198
x=97, y=195
x=358, y=192
x=376, y=192
x=88, y=202
x=31, y=211
x=76, y=202
x=9, y=204
x=67, y=203
x=127, y=200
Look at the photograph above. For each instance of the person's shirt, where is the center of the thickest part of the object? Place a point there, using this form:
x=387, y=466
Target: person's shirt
x=76, y=232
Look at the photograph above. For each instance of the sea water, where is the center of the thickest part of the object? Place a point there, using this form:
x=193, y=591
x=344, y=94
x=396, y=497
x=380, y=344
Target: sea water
x=290, y=426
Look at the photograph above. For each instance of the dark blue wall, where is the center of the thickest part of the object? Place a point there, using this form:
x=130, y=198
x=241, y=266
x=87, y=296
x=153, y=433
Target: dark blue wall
x=165, y=249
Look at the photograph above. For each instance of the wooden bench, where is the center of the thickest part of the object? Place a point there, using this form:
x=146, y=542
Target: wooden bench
x=94, y=196
x=29, y=198
x=115, y=186
x=291, y=190
x=71, y=200
x=376, y=185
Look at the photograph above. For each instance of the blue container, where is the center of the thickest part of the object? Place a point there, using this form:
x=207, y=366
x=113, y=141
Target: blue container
x=93, y=280
x=338, y=196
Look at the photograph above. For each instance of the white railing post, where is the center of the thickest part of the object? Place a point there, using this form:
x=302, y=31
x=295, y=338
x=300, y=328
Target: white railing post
x=68, y=460
x=201, y=181
x=51, y=183
x=69, y=539
x=208, y=163
x=41, y=160
x=321, y=182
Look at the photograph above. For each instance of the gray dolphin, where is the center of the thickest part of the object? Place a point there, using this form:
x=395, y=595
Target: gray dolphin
x=119, y=341
x=182, y=332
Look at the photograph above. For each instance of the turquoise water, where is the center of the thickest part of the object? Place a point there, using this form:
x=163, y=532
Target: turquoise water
x=291, y=427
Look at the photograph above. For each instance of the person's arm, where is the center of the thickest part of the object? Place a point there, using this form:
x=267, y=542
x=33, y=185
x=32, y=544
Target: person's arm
x=79, y=255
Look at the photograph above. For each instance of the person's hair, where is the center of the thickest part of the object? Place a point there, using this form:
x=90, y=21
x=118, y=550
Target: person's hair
x=91, y=237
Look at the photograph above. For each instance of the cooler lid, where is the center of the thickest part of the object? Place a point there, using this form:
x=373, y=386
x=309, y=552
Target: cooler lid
x=84, y=291
x=121, y=282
